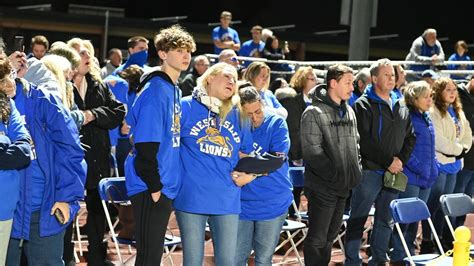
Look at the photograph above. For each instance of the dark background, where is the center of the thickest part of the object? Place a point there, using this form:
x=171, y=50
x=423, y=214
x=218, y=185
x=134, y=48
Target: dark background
x=406, y=18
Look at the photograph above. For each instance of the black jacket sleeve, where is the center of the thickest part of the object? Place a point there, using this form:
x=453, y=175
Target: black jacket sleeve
x=146, y=165
x=293, y=121
x=111, y=114
x=272, y=56
x=15, y=155
x=408, y=143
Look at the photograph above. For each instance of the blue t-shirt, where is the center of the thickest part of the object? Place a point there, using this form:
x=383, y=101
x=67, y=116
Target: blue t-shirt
x=269, y=99
x=229, y=34
x=251, y=49
x=452, y=168
x=456, y=57
x=154, y=117
x=209, y=152
x=267, y=197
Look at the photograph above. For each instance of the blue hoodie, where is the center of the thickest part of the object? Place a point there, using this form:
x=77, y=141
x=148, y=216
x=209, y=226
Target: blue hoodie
x=59, y=157
x=14, y=154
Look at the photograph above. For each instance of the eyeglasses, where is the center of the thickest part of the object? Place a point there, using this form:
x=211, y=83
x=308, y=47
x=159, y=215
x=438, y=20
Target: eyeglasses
x=234, y=59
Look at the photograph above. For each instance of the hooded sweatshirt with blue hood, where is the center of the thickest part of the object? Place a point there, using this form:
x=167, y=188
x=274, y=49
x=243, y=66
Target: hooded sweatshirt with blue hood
x=385, y=130
x=58, y=166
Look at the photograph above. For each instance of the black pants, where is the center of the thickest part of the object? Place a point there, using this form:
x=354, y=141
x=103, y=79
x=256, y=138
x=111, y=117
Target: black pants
x=95, y=229
x=151, y=221
x=325, y=212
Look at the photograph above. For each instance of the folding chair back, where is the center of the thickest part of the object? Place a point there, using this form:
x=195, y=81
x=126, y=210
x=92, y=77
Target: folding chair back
x=454, y=205
x=457, y=204
x=411, y=210
x=113, y=190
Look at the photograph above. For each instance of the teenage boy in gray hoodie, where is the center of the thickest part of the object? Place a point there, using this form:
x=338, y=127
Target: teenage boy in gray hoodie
x=331, y=151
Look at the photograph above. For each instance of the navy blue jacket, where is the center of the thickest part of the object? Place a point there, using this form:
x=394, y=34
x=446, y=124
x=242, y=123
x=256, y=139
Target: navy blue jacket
x=384, y=131
x=59, y=155
x=422, y=167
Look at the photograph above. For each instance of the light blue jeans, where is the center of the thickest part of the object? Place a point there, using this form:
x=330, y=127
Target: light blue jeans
x=259, y=236
x=224, y=237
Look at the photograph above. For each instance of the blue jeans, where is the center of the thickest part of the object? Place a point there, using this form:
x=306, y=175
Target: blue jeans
x=224, y=237
x=410, y=230
x=39, y=251
x=444, y=185
x=464, y=184
x=260, y=236
x=370, y=190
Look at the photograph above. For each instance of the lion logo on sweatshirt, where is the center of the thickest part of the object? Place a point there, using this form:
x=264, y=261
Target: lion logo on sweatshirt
x=214, y=143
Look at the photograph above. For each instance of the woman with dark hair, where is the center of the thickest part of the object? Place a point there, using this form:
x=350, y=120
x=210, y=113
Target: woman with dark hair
x=272, y=51
x=453, y=139
x=460, y=55
x=266, y=199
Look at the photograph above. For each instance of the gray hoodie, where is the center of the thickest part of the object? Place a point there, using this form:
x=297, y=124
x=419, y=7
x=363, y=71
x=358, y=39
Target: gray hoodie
x=330, y=143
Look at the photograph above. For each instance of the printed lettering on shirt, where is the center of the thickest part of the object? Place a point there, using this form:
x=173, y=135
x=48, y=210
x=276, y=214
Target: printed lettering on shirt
x=214, y=142
x=176, y=125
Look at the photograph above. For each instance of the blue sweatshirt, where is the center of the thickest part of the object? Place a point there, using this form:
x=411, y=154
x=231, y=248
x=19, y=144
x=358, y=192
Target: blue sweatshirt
x=209, y=152
x=267, y=197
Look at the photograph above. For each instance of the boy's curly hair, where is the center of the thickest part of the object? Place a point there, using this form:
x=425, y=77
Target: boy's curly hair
x=174, y=37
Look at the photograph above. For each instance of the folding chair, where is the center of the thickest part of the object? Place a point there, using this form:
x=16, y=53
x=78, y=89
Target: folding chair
x=291, y=229
x=80, y=239
x=113, y=190
x=411, y=210
x=454, y=205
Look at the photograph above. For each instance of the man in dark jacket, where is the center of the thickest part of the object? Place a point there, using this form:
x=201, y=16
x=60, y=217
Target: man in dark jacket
x=187, y=84
x=331, y=151
x=386, y=141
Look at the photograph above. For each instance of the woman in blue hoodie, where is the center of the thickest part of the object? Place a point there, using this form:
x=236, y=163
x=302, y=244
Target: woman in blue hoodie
x=212, y=138
x=14, y=154
x=54, y=181
x=422, y=167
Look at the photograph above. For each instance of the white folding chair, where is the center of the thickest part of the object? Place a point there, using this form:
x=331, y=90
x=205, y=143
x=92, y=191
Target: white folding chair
x=291, y=229
x=113, y=190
